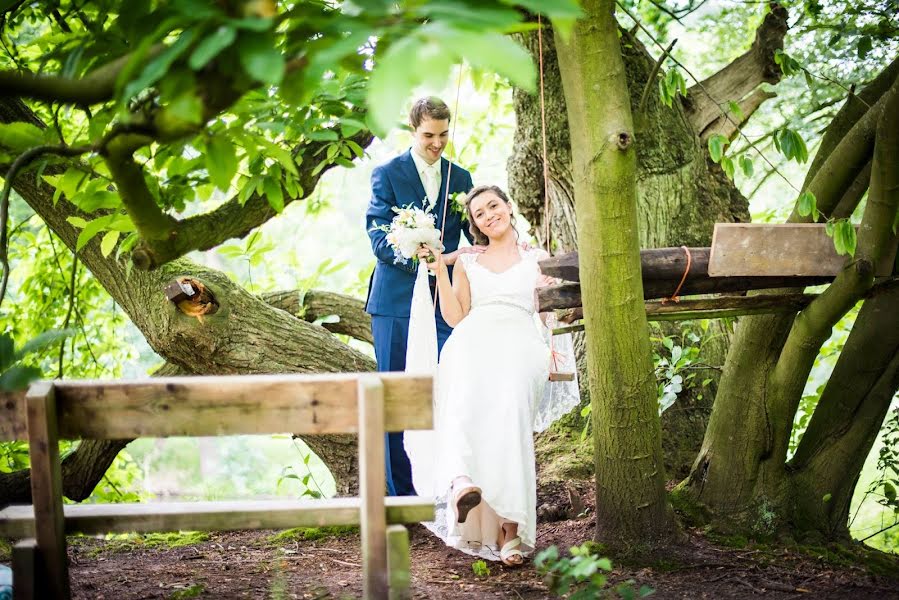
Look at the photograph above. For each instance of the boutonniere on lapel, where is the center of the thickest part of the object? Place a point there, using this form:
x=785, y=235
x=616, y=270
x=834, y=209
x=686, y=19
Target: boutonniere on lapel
x=457, y=204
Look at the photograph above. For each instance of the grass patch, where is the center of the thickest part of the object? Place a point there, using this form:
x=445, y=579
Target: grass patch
x=188, y=592
x=311, y=534
x=128, y=542
x=5, y=550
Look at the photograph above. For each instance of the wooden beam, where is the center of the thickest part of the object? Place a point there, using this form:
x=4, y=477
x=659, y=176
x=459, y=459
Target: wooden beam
x=372, y=486
x=568, y=295
x=46, y=492
x=398, y=562
x=18, y=521
x=655, y=263
x=790, y=249
x=223, y=405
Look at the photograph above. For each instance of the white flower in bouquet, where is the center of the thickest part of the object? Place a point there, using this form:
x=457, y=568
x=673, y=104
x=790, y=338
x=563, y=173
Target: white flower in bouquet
x=410, y=229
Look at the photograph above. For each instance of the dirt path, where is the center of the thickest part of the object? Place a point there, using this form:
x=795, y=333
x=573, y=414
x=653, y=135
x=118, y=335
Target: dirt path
x=250, y=565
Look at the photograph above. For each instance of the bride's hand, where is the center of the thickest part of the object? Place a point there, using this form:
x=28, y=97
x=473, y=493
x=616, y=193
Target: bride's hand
x=431, y=257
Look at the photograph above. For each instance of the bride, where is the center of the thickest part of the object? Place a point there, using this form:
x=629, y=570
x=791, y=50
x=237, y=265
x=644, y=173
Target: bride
x=490, y=377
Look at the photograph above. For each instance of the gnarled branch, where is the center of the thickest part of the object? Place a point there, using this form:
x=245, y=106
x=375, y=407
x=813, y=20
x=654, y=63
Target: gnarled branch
x=742, y=76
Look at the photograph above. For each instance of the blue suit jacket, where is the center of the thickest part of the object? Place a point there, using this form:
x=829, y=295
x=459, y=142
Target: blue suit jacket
x=397, y=184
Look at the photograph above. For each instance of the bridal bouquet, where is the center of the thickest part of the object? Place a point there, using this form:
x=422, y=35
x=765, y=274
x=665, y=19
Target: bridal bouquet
x=410, y=229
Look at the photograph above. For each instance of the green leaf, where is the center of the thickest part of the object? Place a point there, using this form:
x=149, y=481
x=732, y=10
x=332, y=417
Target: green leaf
x=221, y=161
x=43, y=341
x=350, y=127
x=274, y=194
x=323, y=135
x=889, y=491
x=735, y=110
x=211, y=46
x=806, y=205
x=727, y=164
x=864, y=46
x=826, y=498
x=18, y=378
x=259, y=57
x=102, y=200
x=20, y=136
x=717, y=143
x=90, y=230
x=77, y=222
x=159, y=66
x=107, y=245
x=7, y=351
x=746, y=165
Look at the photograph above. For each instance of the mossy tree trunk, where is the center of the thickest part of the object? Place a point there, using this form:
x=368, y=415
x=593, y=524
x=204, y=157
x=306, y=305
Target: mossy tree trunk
x=742, y=475
x=681, y=193
x=630, y=493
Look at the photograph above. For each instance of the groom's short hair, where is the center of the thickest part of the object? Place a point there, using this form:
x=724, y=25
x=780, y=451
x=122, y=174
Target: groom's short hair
x=429, y=107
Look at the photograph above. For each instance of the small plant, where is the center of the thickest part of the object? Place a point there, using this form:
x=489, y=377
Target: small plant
x=582, y=576
x=188, y=592
x=480, y=568
x=15, y=372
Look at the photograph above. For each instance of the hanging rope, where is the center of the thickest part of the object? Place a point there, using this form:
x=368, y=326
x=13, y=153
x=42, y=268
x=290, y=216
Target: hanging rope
x=449, y=168
x=546, y=207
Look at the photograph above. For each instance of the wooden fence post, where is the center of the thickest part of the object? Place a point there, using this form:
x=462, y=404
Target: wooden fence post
x=398, y=562
x=372, y=483
x=46, y=492
x=25, y=565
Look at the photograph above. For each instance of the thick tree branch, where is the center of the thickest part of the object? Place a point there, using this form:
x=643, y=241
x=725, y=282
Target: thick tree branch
x=742, y=76
x=813, y=325
x=316, y=304
x=95, y=88
x=729, y=125
x=231, y=219
x=855, y=107
x=843, y=165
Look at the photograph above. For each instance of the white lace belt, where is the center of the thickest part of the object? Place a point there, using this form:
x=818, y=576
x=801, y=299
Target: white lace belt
x=501, y=302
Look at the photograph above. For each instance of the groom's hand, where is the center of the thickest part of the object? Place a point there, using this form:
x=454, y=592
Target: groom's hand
x=451, y=257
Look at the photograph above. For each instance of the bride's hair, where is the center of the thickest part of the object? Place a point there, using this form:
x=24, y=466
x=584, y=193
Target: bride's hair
x=479, y=237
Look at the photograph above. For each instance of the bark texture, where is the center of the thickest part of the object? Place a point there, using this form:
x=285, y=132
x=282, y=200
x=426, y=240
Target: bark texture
x=627, y=434
x=681, y=193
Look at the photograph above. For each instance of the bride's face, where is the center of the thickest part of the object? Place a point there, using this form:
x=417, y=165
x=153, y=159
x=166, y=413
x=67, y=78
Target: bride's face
x=491, y=214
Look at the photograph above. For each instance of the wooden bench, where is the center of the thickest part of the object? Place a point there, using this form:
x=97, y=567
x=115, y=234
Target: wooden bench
x=367, y=403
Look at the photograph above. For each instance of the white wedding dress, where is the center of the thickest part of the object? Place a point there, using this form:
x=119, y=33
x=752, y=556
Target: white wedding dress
x=490, y=382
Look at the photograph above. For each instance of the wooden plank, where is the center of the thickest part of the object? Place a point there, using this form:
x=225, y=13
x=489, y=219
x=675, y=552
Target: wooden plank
x=372, y=485
x=793, y=249
x=18, y=521
x=398, y=562
x=655, y=263
x=46, y=491
x=25, y=567
x=225, y=405
x=568, y=295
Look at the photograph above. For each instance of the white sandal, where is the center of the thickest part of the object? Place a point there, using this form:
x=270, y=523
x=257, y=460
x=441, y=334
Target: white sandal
x=510, y=554
x=465, y=500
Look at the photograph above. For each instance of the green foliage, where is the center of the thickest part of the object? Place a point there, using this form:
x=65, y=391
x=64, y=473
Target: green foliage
x=789, y=143
x=582, y=575
x=807, y=205
x=192, y=591
x=672, y=84
x=789, y=65
x=312, y=534
x=844, y=236
x=15, y=373
x=480, y=568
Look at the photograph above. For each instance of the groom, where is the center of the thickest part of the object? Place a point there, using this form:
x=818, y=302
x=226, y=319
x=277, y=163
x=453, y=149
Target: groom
x=418, y=177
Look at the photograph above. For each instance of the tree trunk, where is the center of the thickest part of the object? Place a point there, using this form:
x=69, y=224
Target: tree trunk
x=741, y=474
x=246, y=335
x=681, y=193
x=627, y=436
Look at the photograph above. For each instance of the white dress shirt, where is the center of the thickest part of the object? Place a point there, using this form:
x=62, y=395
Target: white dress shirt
x=430, y=179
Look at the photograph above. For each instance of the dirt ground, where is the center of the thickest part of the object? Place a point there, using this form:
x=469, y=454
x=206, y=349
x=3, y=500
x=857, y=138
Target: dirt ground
x=253, y=565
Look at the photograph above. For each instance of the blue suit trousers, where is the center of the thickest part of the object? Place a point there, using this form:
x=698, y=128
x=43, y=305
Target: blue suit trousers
x=390, y=335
